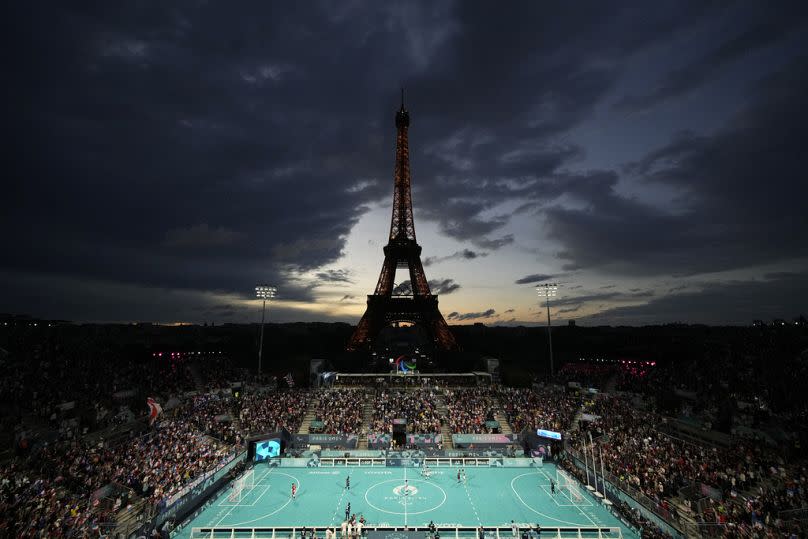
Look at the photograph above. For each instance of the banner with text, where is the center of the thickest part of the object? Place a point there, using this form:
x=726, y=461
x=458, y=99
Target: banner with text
x=327, y=440
x=422, y=440
x=379, y=441
x=483, y=440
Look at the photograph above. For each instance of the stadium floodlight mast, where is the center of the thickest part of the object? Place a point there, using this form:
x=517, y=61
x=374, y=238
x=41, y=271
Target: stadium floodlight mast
x=264, y=292
x=547, y=291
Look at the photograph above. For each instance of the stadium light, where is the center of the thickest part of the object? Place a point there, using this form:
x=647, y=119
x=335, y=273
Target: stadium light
x=547, y=291
x=264, y=292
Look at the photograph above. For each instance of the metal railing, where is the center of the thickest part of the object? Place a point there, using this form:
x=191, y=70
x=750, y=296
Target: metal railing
x=793, y=514
x=458, y=532
x=655, y=507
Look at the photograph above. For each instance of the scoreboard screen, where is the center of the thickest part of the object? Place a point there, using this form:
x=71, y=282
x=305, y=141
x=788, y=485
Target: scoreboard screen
x=267, y=449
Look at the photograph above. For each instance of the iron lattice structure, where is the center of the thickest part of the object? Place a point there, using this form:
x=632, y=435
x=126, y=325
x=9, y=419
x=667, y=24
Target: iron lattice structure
x=402, y=251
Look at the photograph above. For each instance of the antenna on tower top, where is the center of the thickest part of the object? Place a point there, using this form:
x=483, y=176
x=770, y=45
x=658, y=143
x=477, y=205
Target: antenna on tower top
x=402, y=97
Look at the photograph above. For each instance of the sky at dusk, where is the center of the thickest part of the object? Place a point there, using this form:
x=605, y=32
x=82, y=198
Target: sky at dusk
x=166, y=157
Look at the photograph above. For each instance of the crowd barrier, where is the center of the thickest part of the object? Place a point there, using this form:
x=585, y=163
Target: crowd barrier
x=620, y=491
x=189, y=496
x=414, y=461
x=413, y=532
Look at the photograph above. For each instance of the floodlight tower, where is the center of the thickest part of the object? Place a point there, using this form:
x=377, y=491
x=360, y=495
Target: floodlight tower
x=264, y=292
x=547, y=291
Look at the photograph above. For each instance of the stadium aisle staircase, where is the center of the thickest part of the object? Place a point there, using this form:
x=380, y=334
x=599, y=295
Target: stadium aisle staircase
x=367, y=421
x=504, y=426
x=577, y=419
x=311, y=411
x=445, y=431
x=130, y=517
x=499, y=415
x=689, y=524
x=193, y=370
x=611, y=383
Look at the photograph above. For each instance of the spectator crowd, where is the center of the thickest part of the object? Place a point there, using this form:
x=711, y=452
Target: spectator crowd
x=417, y=406
x=340, y=410
x=470, y=408
x=749, y=484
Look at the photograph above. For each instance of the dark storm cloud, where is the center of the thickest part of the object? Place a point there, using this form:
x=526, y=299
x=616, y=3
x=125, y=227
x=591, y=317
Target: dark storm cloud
x=740, y=189
x=474, y=148
x=465, y=254
x=587, y=298
x=580, y=301
x=181, y=146
x=535, y=278
x=335, y=276
x=200, y=236
x=788, y=17
x=455, y=316
x=740, y=302
x=436, y=286
x=198, y=148
x=403, y=289
x=444, y=286
x=204, y=147
x=94, y=300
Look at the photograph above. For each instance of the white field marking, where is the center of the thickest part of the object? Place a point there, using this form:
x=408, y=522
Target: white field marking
x=546, y=489
x=231, y=509
x=576, y=505
x=367, y=500
x=288, y=501
x=576, y=524
x=255, y=501
x=336, y=509
x=405, y=497
x=466, y=487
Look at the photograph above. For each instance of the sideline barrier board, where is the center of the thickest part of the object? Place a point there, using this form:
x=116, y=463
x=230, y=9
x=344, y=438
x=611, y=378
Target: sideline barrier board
x=294, y=462
x=412, y=532
x=483, y=440
x=523, y=462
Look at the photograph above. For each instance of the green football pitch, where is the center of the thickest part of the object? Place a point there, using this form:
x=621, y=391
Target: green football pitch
x=397, y=496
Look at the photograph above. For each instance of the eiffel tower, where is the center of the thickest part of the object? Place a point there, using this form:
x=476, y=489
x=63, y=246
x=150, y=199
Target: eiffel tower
x=402, y=251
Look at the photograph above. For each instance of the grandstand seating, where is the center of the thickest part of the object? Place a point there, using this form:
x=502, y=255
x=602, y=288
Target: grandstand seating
x=743, y=488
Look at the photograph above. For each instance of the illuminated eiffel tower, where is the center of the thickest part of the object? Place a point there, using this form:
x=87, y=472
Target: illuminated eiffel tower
x=402, y=251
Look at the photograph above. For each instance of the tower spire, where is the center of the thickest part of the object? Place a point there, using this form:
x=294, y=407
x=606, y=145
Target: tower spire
x=402, y=251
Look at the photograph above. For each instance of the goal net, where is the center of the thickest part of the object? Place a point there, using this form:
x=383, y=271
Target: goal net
x=245, y=482
x=249, y=478
x=567, y=483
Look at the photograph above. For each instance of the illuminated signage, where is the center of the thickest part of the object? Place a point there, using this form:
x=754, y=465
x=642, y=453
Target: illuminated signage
x=549, y=434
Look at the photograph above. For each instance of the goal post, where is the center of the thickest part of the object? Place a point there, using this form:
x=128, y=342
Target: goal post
x=248, y=478
x=236, y=491
x=245, y=482
x=568, y=483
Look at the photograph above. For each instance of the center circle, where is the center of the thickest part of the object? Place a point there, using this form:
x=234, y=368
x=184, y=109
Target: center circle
x=405, y=495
